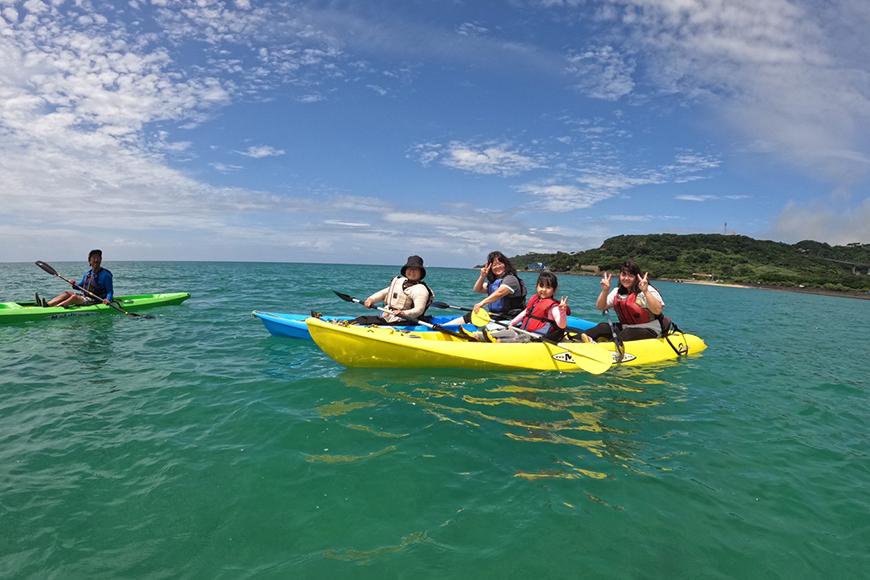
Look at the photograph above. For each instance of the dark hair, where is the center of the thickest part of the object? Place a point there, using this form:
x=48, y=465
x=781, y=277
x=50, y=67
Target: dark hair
x=508, y=267
x=548, y=280
x=95, y=253
x=631, y=267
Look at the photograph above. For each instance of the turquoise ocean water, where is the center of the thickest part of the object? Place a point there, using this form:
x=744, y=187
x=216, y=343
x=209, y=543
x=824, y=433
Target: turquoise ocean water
x=196, y=445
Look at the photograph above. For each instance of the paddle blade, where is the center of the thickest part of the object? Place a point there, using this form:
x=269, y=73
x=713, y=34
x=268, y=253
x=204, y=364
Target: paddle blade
x=46, y=267
x=481, y=317
x=438, y=304
x=592, y=358
x=345, y=297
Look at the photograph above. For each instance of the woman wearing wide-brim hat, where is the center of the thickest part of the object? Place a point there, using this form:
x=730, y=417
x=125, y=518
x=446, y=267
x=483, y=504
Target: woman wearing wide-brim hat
x=407, y=296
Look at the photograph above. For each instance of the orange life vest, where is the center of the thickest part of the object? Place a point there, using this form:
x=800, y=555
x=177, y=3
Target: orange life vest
x=537, y=316
x=629, y=311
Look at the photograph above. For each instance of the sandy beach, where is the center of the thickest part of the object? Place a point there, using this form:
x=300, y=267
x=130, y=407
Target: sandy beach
x=820, y=291
x=708, y=283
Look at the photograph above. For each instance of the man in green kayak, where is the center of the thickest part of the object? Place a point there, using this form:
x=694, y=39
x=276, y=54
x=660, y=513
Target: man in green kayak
x=97, y=281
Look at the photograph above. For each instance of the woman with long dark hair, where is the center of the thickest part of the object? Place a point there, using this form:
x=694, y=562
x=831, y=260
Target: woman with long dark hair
x=505, y=291
x=637, y=303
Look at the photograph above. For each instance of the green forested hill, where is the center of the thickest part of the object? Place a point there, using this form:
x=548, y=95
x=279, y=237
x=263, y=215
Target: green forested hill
x=727, y=258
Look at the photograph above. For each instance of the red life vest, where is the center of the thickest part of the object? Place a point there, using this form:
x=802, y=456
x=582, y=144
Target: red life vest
x=537, y=316
x=629, y=311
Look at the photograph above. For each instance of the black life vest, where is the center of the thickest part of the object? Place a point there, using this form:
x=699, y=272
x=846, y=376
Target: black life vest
x=93, y=285
x=508, y=303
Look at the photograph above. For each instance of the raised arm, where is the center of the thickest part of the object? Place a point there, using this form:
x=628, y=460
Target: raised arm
x=601, y=302
x=480, y=283
x=560, y=313
x=653, y=301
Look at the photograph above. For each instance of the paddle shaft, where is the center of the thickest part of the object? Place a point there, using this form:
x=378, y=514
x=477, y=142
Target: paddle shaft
x=438, y=327
x=620, y=347
x=47, y=268
x=602, y=358
x=464, y=309
x=542, y=338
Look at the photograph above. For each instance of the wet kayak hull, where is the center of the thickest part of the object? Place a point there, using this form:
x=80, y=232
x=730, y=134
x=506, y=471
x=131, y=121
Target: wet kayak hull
x=354, y=346
x=294, y=326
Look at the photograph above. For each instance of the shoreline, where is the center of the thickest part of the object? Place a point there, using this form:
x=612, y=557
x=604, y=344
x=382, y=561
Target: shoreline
x=857, y=294
x=817, y=291
x=708, y=283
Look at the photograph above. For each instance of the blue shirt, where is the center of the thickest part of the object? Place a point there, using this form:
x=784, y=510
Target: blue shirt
x=102, y=286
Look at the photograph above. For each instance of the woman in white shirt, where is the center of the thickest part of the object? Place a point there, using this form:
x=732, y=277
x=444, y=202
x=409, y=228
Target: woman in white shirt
x=637, y=303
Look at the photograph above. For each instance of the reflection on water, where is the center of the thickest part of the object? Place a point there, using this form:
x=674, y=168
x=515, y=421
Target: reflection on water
x=561, y=426
x=332, y=458
x=92, y=344
x=365, y=556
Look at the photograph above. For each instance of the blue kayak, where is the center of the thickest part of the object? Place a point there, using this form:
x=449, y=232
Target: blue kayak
x=293, y=325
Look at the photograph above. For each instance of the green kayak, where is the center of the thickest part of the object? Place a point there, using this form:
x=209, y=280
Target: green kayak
x=23, y=311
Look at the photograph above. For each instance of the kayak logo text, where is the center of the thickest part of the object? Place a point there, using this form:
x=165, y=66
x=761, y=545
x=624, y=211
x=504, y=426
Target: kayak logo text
x=625, y=358
x=564, y=357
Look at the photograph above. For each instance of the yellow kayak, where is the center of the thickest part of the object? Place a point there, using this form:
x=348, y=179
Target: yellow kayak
x=380, y=346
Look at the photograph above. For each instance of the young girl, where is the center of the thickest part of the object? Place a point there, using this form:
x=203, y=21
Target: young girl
x=543, y=314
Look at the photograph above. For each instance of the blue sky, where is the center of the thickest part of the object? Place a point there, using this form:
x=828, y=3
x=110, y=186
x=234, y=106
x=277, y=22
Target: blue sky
x=364, y=131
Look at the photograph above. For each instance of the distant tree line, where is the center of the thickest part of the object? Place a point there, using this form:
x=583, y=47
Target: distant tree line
x=725, y=258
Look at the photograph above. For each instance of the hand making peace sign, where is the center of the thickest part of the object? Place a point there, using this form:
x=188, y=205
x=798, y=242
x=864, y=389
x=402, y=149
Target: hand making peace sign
x=643, y=283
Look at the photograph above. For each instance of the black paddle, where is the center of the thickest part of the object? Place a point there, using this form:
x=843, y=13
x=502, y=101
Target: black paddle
x=620, y=346
x=53, y=272
x=438, y=327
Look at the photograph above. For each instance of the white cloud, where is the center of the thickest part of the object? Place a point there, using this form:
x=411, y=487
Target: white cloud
x=260, y=151
x=471, y=29
x=347, y=224
x=378, y=89
x=601, y=73
x=694, y=197
x=487, y=159
x=600, y=182
x=831, y=220
x=629, y=218
x=426, y=153
x=225, y=167
x=558, y=198
x=784, y=73
x=360, y=203
x=708, y=197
